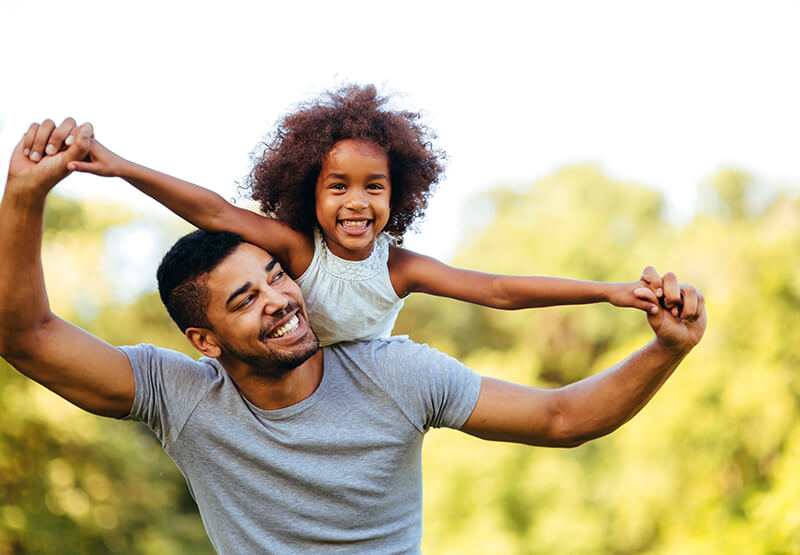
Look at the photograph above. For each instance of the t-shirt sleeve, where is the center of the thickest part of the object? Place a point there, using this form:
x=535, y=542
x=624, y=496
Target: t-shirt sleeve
x=433, y=389
x=169, y=385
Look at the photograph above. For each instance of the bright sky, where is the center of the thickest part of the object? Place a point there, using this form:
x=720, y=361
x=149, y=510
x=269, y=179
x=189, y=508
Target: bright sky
x=662, y=93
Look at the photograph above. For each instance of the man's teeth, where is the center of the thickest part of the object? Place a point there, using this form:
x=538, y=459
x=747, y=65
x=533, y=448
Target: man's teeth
x=354, y=225
x=288, y=327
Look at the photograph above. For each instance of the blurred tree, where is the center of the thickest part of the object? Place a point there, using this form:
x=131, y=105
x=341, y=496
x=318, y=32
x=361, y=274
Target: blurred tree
x=705, y=467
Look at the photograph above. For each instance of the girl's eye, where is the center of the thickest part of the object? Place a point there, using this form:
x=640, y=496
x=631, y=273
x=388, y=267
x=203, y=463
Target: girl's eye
x=375, y=186
x=337, y=186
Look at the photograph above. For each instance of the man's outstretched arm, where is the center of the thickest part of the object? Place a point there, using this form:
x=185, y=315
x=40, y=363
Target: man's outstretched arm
x=599, y=404
x=64, y=358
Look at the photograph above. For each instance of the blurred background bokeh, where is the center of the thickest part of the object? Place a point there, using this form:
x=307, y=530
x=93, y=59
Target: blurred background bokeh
x=585, y=141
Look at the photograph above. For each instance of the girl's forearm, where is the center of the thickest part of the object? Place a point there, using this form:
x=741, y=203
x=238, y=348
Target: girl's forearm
x=515, y=292
x=197, y=205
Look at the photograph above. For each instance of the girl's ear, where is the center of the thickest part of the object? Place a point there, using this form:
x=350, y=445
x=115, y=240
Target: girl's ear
x=204, y=341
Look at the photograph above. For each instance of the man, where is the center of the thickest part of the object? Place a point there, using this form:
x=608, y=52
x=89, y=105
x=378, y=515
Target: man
x=287, y=447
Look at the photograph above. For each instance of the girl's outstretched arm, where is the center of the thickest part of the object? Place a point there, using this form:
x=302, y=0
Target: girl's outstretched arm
x=414, y=273
x=204, y=208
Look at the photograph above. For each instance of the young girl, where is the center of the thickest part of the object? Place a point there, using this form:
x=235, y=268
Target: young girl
x=340, y=180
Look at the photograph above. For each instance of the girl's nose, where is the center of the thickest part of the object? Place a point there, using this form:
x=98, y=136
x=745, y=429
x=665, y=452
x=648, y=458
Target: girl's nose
x=356, y=200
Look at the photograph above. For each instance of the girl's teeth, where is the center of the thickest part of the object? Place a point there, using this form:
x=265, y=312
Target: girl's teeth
x=354, y=225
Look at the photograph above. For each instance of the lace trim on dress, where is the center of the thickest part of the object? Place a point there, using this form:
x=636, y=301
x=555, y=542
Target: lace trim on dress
x=354, y=270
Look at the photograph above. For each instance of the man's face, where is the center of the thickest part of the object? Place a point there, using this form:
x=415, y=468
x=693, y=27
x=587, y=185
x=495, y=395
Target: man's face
x=258, y=313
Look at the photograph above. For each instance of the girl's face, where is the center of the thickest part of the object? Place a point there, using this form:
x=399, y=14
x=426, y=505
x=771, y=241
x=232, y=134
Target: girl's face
x=353, y=197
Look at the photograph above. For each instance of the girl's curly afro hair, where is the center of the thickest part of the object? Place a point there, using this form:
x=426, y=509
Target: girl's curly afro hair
x=284, y=177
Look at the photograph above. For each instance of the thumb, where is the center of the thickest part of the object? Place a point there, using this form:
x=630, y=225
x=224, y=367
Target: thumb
x=84, y=167
x=80, y=148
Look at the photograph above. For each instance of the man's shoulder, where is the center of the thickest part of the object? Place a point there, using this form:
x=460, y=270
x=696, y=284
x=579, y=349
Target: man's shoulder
x=391, y=346
x=148, y=355
x=396, y=353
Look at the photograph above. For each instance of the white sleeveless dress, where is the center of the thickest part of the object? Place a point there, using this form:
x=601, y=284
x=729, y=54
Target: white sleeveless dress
x=350, y=300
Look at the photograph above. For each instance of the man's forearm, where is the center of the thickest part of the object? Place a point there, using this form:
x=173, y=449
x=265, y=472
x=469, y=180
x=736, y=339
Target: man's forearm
x=599, y=404
x=23, y=300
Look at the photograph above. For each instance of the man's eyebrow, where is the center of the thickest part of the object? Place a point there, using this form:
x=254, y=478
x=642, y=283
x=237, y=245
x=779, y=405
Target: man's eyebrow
x=270, y=265
x=238, y=292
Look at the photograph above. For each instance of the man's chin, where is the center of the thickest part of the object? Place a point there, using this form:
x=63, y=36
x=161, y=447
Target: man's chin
x=277, y=364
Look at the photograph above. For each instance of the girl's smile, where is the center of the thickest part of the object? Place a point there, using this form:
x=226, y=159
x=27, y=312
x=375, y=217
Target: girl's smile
x=353, y=197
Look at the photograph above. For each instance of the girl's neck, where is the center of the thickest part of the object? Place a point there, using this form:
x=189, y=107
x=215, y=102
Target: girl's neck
x=350, y=254
x=346, y=247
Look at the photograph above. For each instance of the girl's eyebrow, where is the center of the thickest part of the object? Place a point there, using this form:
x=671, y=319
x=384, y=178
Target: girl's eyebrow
x=336, y=175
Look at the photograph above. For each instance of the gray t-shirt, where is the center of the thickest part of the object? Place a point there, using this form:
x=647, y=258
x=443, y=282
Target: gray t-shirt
x=338, y=472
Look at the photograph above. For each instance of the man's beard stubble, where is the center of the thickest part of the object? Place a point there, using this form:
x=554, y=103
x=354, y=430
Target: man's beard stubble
x=276, y=365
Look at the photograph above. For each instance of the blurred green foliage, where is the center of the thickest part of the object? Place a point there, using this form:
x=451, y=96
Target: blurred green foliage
x=709, y=466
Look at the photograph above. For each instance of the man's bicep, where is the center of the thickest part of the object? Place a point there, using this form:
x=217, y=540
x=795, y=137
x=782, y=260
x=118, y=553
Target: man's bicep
x=79, y=367
x=516, y=413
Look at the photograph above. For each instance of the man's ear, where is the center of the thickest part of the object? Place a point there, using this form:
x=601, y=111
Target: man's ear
x=204, y=341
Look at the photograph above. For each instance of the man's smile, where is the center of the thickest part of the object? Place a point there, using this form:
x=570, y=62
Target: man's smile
x=288, y=327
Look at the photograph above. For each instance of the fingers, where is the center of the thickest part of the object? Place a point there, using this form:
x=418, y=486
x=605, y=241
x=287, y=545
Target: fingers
x=653, y=280
x=82, y=142
x=85, y=167
x=646, y=300
x=672, y=294
x=40, y=137
x=27, y=139
x=45, y=139
x=693, y=303
x=60, y=136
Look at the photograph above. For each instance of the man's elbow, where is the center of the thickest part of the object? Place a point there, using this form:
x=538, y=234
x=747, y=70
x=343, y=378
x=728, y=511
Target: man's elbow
x=571, y=426
x=564, y=434
x=19, y=343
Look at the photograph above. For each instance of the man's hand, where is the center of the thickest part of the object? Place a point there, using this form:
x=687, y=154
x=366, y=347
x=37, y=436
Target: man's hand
x=64, y=358
x=681, y=322
x=28, y=170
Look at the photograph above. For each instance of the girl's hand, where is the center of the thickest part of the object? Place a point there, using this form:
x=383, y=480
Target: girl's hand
x=100, y=161
x=636, y=294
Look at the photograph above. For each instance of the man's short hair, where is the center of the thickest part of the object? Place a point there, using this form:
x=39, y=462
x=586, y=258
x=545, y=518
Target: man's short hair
x=183, y=275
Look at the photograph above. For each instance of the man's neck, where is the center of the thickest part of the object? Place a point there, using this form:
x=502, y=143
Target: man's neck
x=277, y=393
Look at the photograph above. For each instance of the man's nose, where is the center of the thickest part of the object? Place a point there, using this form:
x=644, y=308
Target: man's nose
x=274, y=301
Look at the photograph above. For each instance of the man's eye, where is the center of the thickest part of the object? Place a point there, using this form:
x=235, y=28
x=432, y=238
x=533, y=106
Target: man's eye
x=278, y=275
x=247, y=300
